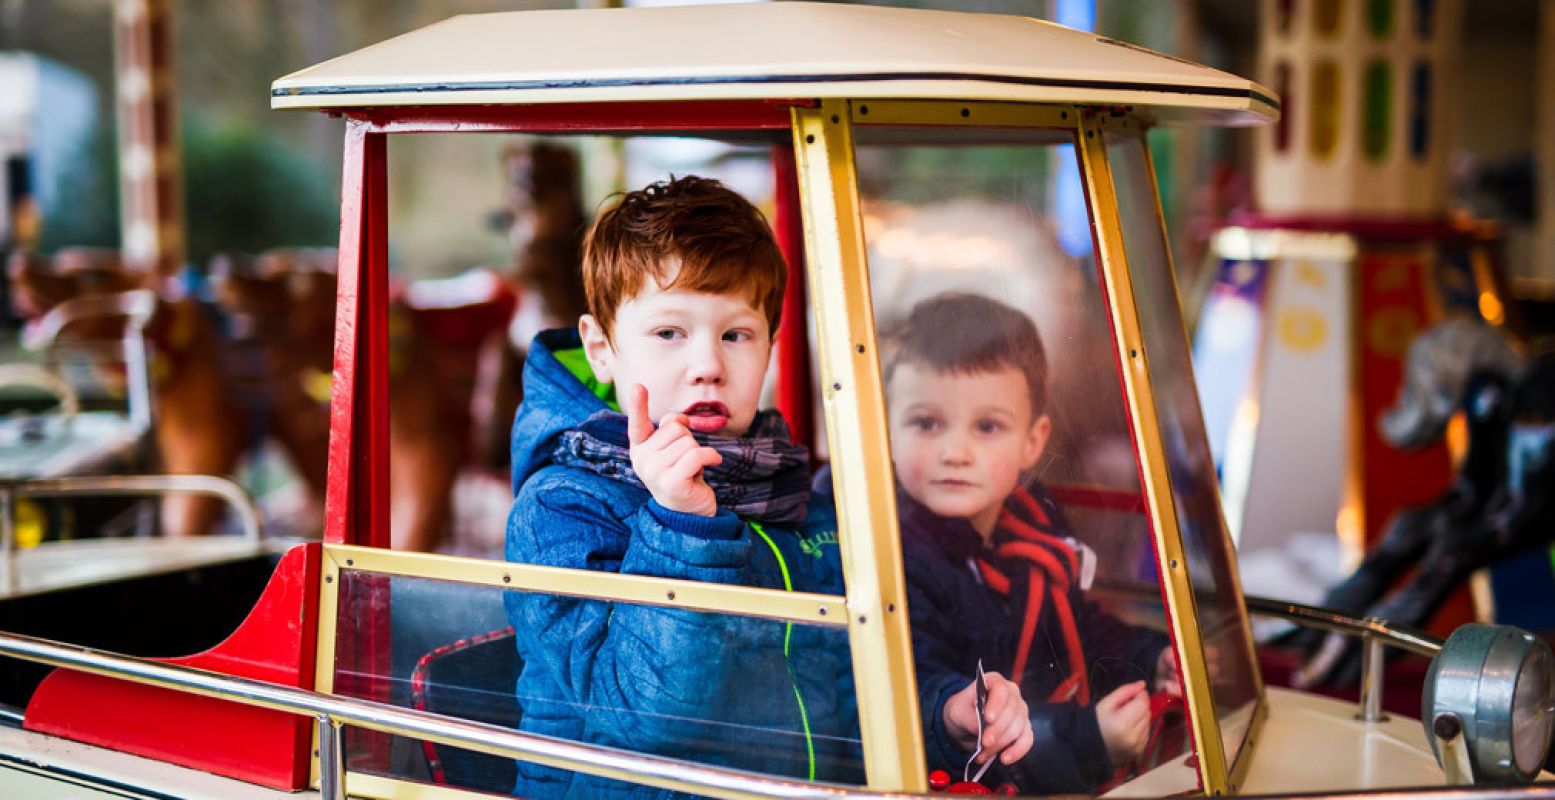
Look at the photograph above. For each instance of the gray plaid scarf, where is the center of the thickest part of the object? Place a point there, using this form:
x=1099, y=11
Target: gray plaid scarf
x=764, y=476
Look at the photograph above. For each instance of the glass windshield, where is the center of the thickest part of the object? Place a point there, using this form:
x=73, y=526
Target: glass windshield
x=1220, y=616
x=1026, y=545
x=716, y=689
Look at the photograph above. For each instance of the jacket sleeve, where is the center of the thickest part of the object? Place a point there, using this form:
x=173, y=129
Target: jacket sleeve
x=642, y=677
x=934, y=661
x=1067, y=753
x=1117, y=652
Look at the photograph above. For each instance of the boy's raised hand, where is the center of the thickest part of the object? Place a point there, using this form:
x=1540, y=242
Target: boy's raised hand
x=1124, y=719
x=1006, y=721
x=668, y=460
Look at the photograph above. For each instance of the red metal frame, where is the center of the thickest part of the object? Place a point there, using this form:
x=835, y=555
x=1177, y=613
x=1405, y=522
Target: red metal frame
x=356, y=503
x=793, y=339
x=600, y=118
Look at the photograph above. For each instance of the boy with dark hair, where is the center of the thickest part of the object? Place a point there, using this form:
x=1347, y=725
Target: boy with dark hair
x=993, y=572
x=684, y=284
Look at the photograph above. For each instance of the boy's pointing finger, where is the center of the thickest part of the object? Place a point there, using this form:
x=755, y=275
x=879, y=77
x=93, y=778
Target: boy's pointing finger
x=638, y=426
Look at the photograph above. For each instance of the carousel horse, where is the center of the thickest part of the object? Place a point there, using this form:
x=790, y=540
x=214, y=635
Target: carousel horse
x=453, y=374
x=1501, y=501
x=280, y=316
x=544, y=223
x=193, y=402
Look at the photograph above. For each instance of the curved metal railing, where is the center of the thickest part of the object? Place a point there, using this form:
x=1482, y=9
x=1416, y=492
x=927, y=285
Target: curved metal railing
x=1374, y=633
x=1403, y=637
x=119, y=485
x=331, y=712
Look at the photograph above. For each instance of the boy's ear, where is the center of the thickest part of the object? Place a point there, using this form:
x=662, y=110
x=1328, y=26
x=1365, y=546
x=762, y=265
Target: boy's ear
x=1036, y=441
x=596, y=346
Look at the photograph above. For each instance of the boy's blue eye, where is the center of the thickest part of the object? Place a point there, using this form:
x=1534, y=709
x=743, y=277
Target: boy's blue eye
x=665, y=333
x=925, y=424
x=736, y=336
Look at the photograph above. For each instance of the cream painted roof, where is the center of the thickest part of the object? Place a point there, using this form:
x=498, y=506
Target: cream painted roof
x=764, y=50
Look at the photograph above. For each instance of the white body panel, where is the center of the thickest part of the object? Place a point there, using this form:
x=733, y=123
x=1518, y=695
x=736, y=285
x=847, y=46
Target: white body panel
x=1315, y=744
x=63, y=565
x=38, y=767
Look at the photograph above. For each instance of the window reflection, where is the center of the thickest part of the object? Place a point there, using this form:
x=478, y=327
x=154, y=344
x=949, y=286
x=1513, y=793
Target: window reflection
x=447, y=648
x=1025, y=540
x=1220, y=616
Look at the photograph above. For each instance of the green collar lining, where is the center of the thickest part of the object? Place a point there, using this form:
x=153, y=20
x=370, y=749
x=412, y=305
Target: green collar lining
x=577, y=363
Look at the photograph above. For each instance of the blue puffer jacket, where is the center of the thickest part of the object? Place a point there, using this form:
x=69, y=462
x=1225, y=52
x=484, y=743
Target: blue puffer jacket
x=716, y=689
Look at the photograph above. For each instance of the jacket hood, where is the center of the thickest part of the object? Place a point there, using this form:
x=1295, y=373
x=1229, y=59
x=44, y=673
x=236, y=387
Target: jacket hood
x=560, y=392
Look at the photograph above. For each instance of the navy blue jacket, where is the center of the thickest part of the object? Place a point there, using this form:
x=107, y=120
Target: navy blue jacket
x=716, y=689
x=957, y=619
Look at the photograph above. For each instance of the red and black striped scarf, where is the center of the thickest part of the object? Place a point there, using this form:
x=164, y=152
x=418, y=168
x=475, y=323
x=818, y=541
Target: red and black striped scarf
x=1029, y=562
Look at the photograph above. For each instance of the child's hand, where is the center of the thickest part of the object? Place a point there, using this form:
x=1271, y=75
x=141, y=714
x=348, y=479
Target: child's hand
x=1167, y=679
x=1006, y=722
x=1124, y=719
x=668, y=460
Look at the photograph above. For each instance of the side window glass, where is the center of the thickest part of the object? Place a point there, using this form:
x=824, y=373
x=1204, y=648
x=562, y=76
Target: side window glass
x=1026, y=542
x=715, y=689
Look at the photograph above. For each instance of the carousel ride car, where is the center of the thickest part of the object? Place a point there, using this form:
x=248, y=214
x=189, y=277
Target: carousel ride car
x=912, y=155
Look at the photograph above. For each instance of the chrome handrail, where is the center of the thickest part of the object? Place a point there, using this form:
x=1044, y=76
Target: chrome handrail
x=1403, y=637
x=331, y=711
x=1374, y=634
x=120, y=485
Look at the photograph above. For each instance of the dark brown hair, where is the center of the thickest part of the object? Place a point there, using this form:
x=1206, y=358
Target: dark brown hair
x=720, y=241
x=961, y=333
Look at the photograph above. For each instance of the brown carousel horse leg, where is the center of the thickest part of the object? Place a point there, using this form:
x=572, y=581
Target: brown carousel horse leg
x=275, y=303
x=198, y=427
x=429, y=433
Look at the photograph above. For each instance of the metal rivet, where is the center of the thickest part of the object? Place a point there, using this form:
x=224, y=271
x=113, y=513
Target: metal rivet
x=507, y=578
x=861, y=619
x=1132, y=353
x=823, y=611
x=1063, y=115
x=835, y=119
x=809, y=139
x=863, y=110
x=670, y=594
x=966, y=112
x=1089, y=134
x=350, y=563
x=890, y=608
x=836, y=387
x=329, y=579
x=859, y=348
x=1174, y=563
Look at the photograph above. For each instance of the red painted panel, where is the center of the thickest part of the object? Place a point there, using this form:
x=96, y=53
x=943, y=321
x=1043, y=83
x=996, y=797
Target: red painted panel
x=691, y=115
x=276, y=644
x=794, y=395
x=1393, y=307
x=1376, y=229
x=370, y=451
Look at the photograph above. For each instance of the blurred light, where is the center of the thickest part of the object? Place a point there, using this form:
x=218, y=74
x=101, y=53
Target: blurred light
x=1490, y=308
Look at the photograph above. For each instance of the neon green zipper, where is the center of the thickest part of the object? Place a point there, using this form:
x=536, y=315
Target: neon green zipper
x=788, y=632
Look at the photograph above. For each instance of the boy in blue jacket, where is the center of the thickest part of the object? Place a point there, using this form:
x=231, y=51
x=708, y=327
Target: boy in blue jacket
x=684, y=284
x=993, y=571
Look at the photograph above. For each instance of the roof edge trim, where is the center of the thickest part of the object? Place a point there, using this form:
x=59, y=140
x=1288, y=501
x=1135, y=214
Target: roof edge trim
x=510, y=85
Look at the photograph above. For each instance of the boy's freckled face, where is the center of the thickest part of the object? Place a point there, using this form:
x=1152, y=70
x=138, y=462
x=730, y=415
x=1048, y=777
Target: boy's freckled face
x=700, y=354
x=961, y=441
